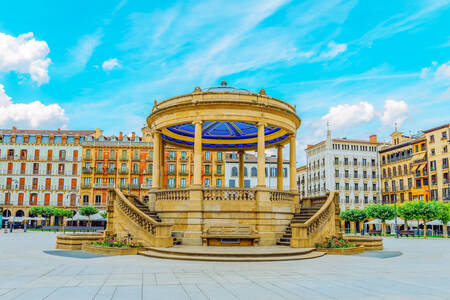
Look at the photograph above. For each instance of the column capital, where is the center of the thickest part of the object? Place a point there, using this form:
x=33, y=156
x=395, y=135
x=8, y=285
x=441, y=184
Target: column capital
x=155, y=131
x=195, y=122
x=260, y=123
x=280, y=146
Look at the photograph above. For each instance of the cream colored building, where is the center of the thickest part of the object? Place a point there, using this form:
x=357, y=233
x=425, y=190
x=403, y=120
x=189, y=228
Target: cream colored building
x=438, y=161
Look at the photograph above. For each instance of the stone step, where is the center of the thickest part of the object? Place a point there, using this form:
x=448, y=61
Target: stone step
x=255, y=258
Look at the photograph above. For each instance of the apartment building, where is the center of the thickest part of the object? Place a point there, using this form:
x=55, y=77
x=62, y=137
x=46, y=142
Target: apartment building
x=40, y=167
x=250, y=171
x=347, y=166
x=438, y=161
x=302, y=180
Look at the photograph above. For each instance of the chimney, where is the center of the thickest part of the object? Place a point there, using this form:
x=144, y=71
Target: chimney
x=120, y=136
x=133, y=136
x=373, y=138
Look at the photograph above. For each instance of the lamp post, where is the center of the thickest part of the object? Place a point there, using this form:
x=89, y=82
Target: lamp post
x=395, y=215
x=13, y=184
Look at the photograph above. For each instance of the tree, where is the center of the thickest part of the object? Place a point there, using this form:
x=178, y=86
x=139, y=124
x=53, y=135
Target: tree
x=47, y=212
x=406, y=211
x=382, y=212
x=444, y=216
x=36, y=211
x=425, y=211
x=354, y=215
x=88, y=211
x=104, y=214
x=63, y=213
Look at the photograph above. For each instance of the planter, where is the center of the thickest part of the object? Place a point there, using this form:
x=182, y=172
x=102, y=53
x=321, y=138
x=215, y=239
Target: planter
x=109, y=250
x=369, y=243
x=75, y=241
x=342, y=251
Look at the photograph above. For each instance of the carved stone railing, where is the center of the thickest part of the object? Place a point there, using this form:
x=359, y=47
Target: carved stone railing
x=323, y=223
x=229, y=194
x=172, y=194
x=281, y=196
x=123, y=216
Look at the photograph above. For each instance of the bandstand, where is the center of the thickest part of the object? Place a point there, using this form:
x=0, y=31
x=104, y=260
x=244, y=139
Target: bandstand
x=224, y=119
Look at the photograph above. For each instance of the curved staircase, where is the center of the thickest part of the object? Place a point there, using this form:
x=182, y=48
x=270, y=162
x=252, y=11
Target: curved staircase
x=304, y=215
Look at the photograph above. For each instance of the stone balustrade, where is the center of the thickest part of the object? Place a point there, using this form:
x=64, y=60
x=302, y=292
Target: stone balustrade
x=172, y=194
x=281, y=196
x=228, y=194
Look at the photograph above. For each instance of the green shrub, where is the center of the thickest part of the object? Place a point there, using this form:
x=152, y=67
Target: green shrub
x=335, y=242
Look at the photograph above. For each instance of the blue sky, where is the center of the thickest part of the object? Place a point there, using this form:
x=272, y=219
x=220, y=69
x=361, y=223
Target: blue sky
x=361, y=65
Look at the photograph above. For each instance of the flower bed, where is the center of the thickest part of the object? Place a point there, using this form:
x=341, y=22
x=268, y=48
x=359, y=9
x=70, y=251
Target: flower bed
x=339, y=246
x=111, y=246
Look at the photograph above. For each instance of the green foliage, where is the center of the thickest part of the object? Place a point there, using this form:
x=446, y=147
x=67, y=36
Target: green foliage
x=335, y=242
x=88, y=211
x=60, y=212
x=36, y=211
x=407, y=211
x=111, y=242
x=47, y=211
x=444, y=212
x=382, y=212
x=354, y=215
x=104, y=214
x=425, y=210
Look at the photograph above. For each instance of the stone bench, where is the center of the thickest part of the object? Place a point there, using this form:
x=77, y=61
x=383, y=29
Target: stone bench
x=230, y=235
x=406, y=232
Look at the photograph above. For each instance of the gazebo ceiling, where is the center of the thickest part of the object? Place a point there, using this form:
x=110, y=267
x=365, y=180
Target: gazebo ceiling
x=224, y=134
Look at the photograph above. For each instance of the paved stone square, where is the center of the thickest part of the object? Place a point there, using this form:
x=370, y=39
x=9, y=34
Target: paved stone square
x=30, y=270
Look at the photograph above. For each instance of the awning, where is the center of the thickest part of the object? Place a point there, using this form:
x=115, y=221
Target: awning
x=375, y=221
x=414, y=168
x=420, y=156
x=421, y=167
x=392, y=222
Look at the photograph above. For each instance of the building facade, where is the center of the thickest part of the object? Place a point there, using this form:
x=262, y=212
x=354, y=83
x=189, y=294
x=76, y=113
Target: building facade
x=250, y=171
x=350, y=167
x=438, y=161
x=40, y=167
x=302, y=180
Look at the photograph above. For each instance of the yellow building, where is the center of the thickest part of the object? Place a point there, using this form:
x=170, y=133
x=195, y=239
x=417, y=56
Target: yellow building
x=438, y=161
x=419, y=170
x=396, y=177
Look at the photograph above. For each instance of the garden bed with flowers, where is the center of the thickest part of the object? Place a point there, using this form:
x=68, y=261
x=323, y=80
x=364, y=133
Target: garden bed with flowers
x=111, y=246
x=339, y=246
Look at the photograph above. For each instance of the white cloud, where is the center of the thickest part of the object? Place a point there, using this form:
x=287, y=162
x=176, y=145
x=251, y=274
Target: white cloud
x=334, y=50
x=110, y=64
x=443, y=70
x=346, y=115
x=30, y=115
x=394, y=112
x=24, y=54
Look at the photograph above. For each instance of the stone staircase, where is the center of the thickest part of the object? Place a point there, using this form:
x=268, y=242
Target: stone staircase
x=152, y=214
x=305, y=214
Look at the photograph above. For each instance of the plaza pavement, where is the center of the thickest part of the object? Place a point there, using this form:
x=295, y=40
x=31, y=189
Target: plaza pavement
x=27, y=272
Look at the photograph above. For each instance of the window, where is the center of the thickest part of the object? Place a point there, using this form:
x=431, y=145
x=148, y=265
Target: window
x=336, y=160
x=433, y=165
x=336, y=173
x=356, y=186
x=218, y=182
x=355, y=174
x=245, y=172
x=365, y=186
x=445, y=163
x=444, y=134
x=356, y=199
x=234, y=171
x=405, y=169
x=364, y=162
x=409, y=183
x=254, y=172
x=98, y=200
x=85, y=199
x=285, y=172
x=273, y=172
x=207, y=156
x=171, y=168
x=374, y=187
x=207, y=182
x=422, y=147
x=347, y=186
x=231, y=183
x=401, y=184
x=207, y=170
x=346, y=173
x=219, y=170
x=246, y=183
x=431, y=138
x=433, y=152
x=183, y=182
x=183, y=168
x=171, y=183
x=219, y=156
x=337, y=186
x=346, y=161
x=445, y=149
x=347, y=199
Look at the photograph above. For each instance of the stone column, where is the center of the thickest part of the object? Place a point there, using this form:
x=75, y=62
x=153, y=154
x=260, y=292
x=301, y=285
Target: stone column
x=241, y=168
x=280, y=167
x=261, y=182
x=198, y=153
x=161, y=173
x=194, y=226
x=156, y=176
x=292, y=163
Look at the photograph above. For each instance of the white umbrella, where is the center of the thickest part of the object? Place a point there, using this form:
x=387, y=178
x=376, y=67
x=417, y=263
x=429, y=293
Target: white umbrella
x=413, y=223
x=374, y=221
x=95, y=217
x=392, y=222
x=435, y=222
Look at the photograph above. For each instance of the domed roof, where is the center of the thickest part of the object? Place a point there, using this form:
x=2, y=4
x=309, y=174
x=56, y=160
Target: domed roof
x=225, y=88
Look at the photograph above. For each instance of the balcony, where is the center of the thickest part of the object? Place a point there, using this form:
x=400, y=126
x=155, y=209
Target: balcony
x=123, y=171
x=171, y=158
x=135, y=172
x=123, y=186
x=218, y=174
x=136, y=158
x=124, y=157
x=135, y=186
x=171, y=172
x=87, y=157
x=112, y=157
x=149, y=158
x=146, y=186
x=99, y=170
x=104, y=185
x=111, y=171
x=207, y=173
x=149, y=172
x=100, y=157
x=62, y=158
x=85, y=185
x=183, y=173
x=85, y=170
x=184, y=159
